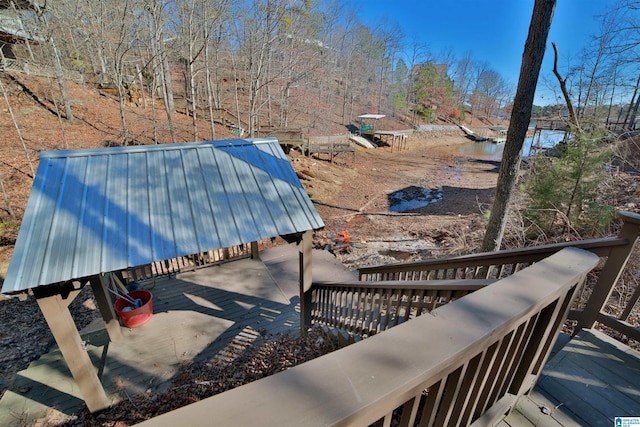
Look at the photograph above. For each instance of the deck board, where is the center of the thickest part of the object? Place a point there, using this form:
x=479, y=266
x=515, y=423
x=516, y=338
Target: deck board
x=592, y=380
x=197, y=314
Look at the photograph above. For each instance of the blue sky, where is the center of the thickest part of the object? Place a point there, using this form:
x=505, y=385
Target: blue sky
x=494, y=31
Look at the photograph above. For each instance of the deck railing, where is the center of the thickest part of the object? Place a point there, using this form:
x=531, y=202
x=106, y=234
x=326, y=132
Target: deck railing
x=492, y=265
x=465, y=363
x=366, y=308
x=13, y=65
x=614, y=250
x=191, y=262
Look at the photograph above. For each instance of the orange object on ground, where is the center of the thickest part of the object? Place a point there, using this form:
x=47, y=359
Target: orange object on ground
x=344, y=238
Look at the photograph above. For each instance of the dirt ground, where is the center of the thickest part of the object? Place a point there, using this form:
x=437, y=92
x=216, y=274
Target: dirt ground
x=351, y=194
x=354, y=195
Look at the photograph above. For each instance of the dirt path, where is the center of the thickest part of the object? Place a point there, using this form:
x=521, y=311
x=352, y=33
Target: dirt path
x=356, y=195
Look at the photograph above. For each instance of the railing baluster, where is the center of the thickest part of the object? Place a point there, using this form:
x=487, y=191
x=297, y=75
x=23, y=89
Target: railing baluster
x=367, y=312
x=389, y=312
x=358, y=310
x=409, y=411
x=408, y=305
x=334, y=305
x=630, y=304
x=379, y=313
x=450, y=393
x=349, y=308
x=526, y=336
x=369, y=306
x=507, y=361
x=344, y=308
x=434, y=395
x=480, y=377
x=470, y=378
x=363, y=311
x=500, y=271
x=323, y=304
x=339, y=307
x=487, y=391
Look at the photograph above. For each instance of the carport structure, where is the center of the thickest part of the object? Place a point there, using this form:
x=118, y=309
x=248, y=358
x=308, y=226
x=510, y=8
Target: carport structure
x=97, y=211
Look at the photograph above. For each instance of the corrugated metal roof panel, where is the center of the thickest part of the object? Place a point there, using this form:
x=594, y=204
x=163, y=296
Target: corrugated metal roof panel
x=99, y=210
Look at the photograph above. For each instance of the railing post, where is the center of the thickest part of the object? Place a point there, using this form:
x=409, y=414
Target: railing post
x=304, y=256
x=613, y=268
x=255, y=254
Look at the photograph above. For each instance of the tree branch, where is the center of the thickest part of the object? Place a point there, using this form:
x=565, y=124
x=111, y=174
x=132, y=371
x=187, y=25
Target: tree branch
x=573, y=119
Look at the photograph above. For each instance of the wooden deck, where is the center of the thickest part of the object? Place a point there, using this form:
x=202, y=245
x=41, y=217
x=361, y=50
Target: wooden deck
x=394, y=139
x=196, y=315
x=592, y=380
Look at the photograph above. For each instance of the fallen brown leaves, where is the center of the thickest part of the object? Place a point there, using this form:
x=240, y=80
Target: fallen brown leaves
x=196, y=381
x=25, y=336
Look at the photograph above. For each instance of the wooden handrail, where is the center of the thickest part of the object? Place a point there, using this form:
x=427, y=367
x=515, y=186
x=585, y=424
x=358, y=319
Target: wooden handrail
x=616, y=250
x=466, y=363
x=467, y=266
x=366, y=308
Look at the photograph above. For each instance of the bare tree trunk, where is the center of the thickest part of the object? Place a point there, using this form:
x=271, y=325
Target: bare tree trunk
x=153, y=112
x=60, y=79
x=529, y=71
x=167, y=95
x=5, y=196
x=631, y=104
x=141, y=82
x=344, y=101
x=57, y=63
x=573, y=118
x=613, y=91
x=55, y=104
x=194, y=101
x=166, y=79
x=634, y=113
x=210, y=99
x=269, y=96
x=235, y=91
x=190, y=69
x=123, y=117
x=15, y=124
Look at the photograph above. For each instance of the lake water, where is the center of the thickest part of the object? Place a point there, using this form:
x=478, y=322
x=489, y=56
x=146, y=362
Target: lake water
x=548, y=138
x=411, y=198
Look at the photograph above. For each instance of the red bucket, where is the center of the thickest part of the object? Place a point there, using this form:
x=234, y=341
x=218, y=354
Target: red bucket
x=134, y=317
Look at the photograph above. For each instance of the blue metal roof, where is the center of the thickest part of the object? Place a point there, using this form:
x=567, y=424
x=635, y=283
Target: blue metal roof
x=100, y=210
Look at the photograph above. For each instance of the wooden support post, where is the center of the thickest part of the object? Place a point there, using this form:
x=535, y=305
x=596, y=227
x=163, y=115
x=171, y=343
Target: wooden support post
x=59, y=319
x=254, y=250
x=613, y=268
x=105, y=305
x=304, y=256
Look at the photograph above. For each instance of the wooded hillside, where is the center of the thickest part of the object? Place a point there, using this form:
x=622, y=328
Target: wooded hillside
x=248, y=64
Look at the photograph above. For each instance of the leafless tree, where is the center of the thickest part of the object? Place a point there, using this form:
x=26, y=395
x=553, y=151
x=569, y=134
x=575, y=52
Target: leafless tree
x=57, y=60
x=512, y=155
x=155, y=23
x=461, y=75
x=489, y=90
x=17, y=126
